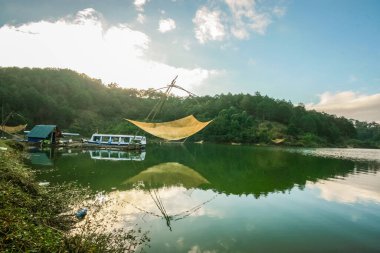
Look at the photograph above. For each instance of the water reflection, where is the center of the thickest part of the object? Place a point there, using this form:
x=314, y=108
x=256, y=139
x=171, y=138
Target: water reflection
x=170, y=204
x=237, y=170
x=116, y=155
x=41, y=158
x=342, y=153
x=167, y=175
x=357, y=188
x=236, y=198
x=47, y=156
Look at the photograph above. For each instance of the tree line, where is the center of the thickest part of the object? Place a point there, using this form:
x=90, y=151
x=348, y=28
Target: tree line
x=78, y=103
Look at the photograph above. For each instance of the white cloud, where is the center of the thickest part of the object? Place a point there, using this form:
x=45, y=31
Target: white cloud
x=243, y=18
x=140, y=18
x=246, y=17
x=166, y=25
x=279, y=11
x=349, y=104
x=240, y=33
x=208, y=25
x=116, y=54
x=139, y=4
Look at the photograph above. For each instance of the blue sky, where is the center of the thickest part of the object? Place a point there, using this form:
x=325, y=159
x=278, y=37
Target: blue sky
x=322, y=53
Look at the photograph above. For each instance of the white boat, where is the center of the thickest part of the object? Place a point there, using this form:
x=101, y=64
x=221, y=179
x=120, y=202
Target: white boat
x=117, y=141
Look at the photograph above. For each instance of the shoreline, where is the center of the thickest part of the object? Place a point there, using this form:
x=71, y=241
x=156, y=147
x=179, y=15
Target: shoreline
x=39, y=218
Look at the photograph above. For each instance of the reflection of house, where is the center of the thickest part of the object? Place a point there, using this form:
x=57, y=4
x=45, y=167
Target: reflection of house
x=40, y=158
x=49, y=133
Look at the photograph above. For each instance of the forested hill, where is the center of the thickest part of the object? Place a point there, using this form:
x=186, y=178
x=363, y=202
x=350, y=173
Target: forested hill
x=82, y=104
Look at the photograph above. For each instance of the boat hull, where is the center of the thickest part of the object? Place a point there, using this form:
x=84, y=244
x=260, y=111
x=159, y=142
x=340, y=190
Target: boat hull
x=113, y=146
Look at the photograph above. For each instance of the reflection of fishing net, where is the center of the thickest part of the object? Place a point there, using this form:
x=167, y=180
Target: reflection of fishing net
x=165, y=176
x=173, y=130
x=164, y=214
x=12, y=129
x=168, y=174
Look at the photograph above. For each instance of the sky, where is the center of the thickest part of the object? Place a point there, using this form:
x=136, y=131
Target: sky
x=322, y=53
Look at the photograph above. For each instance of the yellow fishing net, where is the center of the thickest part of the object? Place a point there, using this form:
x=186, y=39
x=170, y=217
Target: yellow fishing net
x=173, y=130
x=12, y=129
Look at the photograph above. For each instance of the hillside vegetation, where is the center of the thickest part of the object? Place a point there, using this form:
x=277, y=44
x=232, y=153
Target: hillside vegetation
x=82, y=104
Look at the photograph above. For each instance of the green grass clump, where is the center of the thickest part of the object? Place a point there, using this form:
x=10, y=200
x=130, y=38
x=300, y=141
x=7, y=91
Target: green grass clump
x=29, y=221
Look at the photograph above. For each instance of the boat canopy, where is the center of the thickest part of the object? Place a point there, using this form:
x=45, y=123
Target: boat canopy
x=173, y=130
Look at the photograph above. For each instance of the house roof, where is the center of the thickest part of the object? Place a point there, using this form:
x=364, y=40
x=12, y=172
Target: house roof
x=41, y=131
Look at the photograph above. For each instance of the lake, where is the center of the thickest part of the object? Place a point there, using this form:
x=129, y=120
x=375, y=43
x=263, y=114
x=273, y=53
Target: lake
x=224, y=198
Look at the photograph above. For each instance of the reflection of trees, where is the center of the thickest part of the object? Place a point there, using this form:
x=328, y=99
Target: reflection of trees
x=225, y=169
x=258, y=171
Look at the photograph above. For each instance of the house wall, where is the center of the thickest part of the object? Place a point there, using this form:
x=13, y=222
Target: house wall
x=33, y=139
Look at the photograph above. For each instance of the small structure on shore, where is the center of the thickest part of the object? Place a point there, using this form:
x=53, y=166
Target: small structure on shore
x=42, y=133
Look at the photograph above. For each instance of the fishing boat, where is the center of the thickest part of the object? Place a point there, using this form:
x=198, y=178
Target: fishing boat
x=116, y=141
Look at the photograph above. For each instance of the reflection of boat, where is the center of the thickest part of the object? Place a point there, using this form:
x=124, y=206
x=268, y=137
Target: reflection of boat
x=116, y=141
x=168, y=174
x=115, y=155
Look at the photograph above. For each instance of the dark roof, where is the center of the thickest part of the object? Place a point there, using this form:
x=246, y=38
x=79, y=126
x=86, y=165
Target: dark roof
x=41, y=131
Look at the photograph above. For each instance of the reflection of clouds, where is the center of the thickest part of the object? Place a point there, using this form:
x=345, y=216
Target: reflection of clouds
x=197, y=249
x=343, y=153
x=126, y=209
x=136, y=205
x=353, y=189
x=180, y=242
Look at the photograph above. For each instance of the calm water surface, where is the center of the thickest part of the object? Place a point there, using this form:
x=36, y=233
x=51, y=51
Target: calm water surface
x=216, y=198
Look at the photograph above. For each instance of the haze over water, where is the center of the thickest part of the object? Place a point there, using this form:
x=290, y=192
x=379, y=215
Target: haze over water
x=218, y=198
